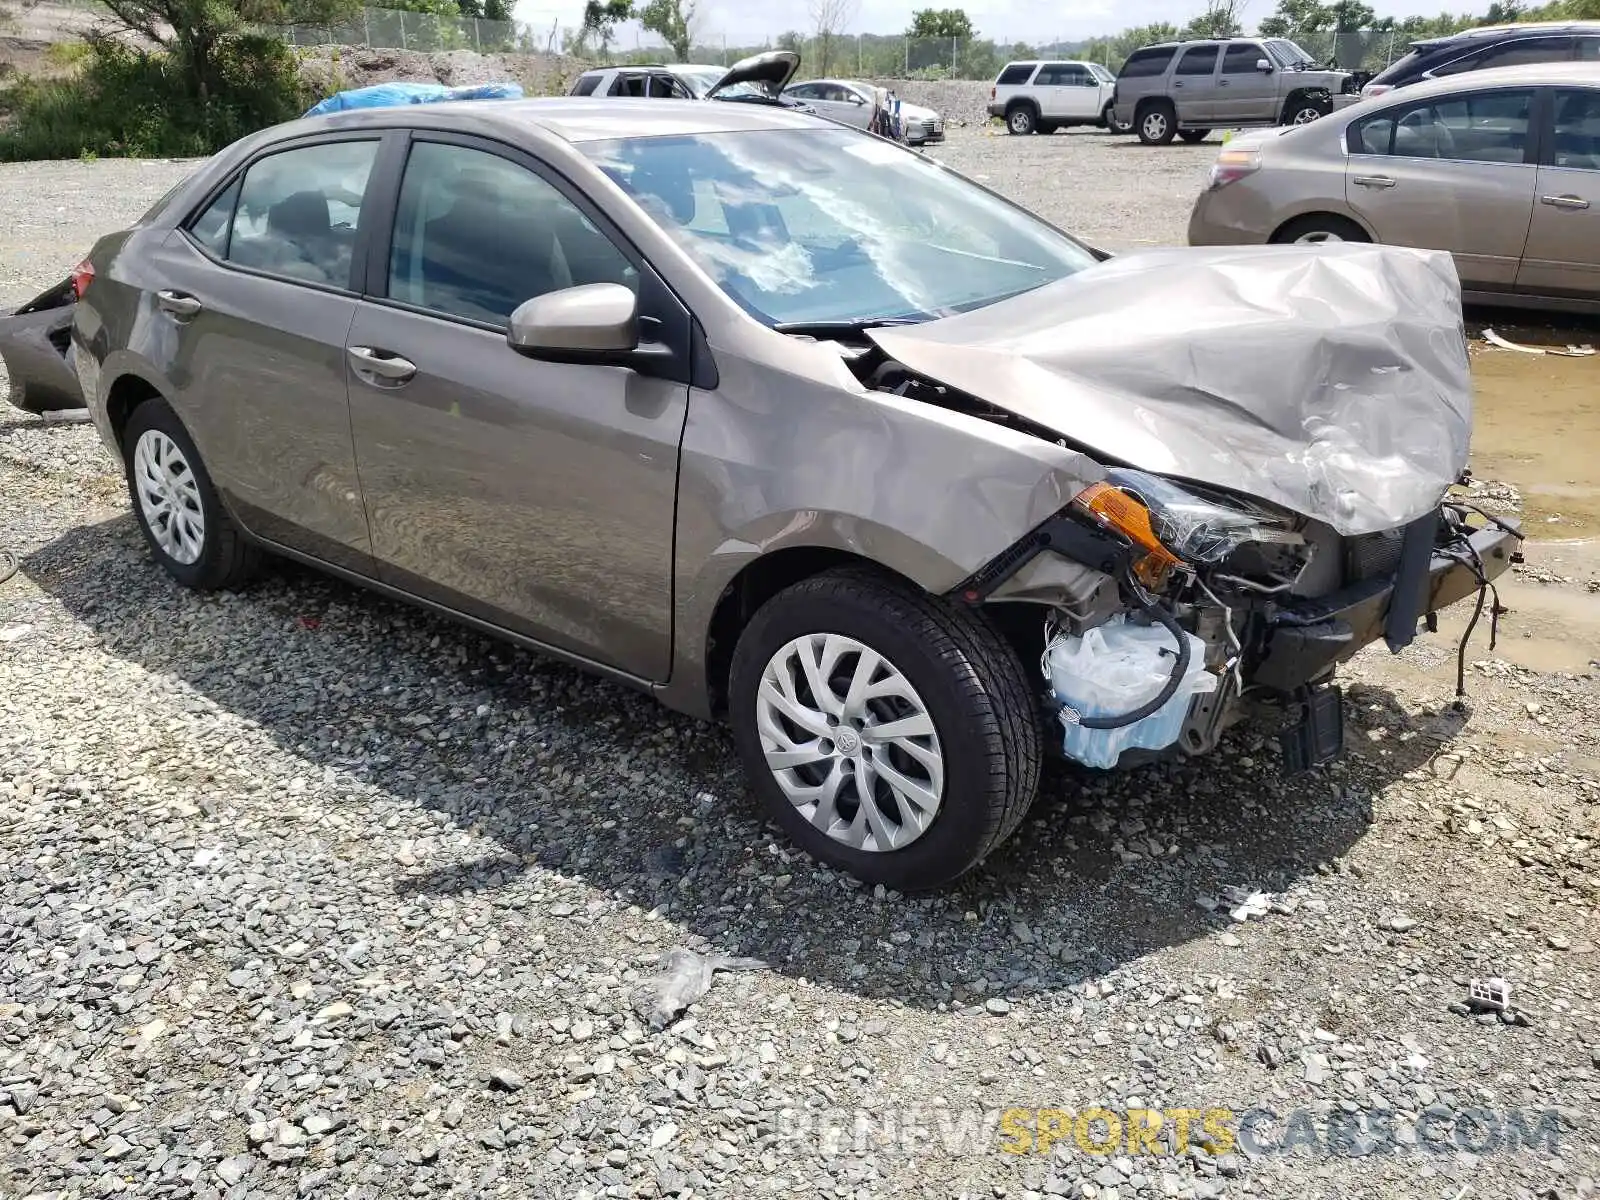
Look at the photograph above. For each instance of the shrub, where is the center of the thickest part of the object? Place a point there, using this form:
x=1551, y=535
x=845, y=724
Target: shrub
x=126, y=102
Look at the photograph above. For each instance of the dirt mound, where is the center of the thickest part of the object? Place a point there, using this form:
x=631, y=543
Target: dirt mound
x=328, y=69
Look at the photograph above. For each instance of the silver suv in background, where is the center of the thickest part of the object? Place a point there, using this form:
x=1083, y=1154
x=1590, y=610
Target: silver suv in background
x=1187, y=89
x=1041, y=97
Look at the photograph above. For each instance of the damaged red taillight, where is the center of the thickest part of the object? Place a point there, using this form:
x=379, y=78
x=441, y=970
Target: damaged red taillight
x=82, y=276
x=1232, y=166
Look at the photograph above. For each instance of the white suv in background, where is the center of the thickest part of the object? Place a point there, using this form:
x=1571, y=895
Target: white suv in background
x=1044, y=96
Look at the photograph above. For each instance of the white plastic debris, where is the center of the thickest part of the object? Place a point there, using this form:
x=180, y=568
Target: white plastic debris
x=15, y=633
x=684, y=977
x=1112, y=669
x=1494, y=339
x=1245, y=904
x=1489, y=995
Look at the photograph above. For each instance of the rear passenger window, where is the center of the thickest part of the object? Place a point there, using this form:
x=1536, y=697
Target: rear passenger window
x=1145, y=63
x=1528, y=50
x=475, y=235
x=586, y=85
x=1487, y=127
x=1577, y=130
x=1052, y=75
x=1015, y=75
x=211, y=228
x=1198, y=60
x=298, y=212
x=1241, y=58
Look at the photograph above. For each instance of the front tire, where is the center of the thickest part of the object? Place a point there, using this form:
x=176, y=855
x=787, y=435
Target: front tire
x=176, y=505
x=1157, y=125
x=888, y=733
x=1303, y=112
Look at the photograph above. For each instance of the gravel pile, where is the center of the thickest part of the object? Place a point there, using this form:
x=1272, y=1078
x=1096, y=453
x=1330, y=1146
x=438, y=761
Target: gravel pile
x=311, y=894
x=333, y=68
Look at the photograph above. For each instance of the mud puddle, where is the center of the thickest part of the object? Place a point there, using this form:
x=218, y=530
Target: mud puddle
x=1537, y=425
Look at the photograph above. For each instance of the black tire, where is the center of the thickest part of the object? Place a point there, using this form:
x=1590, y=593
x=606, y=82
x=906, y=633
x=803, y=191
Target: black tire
x=1022, y=119
x=1108, y=118
x=1194, y=135
x=972, y=685
x=1320, y=227
x=226, y=558
x=1302, y=110
x=1156, y=124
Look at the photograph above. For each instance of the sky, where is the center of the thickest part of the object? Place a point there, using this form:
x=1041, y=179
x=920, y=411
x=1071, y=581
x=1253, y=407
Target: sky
x=1003, y=20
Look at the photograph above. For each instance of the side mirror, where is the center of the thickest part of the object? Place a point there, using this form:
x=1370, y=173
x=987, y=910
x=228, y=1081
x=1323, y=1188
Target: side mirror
x=1264, y=66
x=594, y=319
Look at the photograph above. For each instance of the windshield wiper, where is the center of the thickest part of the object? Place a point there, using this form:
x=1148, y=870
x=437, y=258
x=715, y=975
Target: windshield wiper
x=827, y=328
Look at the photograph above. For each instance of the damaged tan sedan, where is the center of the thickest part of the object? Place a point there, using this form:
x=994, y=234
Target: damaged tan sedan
x=796, y=428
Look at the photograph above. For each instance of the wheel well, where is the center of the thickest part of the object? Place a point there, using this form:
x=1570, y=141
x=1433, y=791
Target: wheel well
x=1021, y=102
x=126, y=394
x=1325, y=218
x=1149, y=102
x=1318, y=96
x=752, y=587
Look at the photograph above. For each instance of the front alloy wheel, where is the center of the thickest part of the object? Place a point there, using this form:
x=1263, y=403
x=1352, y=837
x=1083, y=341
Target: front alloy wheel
x=850, y=742
x=889, y=733
x=1305, y=114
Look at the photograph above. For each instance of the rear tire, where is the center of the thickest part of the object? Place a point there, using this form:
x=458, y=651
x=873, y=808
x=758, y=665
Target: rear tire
x=1193, y=136
x=935, y=667
x=1157, y=124
x=1318, y=228
x=1022, y=120
x=1108, y=118
x=176, y=507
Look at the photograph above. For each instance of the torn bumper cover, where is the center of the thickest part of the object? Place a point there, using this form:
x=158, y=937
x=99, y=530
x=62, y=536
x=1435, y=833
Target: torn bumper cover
x=34, y=344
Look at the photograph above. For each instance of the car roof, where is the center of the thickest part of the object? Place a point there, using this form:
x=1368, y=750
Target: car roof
x=1531, y=28
x=1559, y=74
x=570, y=118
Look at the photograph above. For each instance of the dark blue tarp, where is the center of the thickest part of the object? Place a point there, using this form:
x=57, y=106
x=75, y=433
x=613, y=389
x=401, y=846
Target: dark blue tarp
x=387, y=95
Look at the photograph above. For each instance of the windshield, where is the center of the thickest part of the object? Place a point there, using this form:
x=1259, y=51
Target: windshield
x=831, y=225
x=1288, y=54
x=1101, y=73
x=699, y=79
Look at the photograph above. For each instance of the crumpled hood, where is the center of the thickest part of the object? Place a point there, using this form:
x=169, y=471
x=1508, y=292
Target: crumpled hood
x=1331, y=380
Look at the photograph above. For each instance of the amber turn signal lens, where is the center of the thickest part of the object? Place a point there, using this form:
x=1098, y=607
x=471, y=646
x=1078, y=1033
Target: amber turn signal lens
x=1117, y=510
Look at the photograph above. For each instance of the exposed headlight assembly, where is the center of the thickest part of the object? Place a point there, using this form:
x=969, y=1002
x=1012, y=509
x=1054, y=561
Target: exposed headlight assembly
x=1175, y=526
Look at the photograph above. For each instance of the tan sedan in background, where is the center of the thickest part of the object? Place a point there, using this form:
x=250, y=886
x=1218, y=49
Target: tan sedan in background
x=1501, y=168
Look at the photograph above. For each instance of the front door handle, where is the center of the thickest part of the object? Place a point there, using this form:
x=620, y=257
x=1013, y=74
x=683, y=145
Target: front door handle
x=381, y=364
x=1567, y=201
x=177, y=303
x=1373, y=181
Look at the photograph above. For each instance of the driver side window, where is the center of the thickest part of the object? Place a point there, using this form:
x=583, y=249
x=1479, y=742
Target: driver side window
x=475, y=235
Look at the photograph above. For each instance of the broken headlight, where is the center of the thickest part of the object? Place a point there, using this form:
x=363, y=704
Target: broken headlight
x=1194, y=529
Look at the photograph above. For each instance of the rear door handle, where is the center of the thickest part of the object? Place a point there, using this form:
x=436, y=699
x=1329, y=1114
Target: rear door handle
x=1567, y=201
x=1373, y=181
x=381, y=364
x=177, y=303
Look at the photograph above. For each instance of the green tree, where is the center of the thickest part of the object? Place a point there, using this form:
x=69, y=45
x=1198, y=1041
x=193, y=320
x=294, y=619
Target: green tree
x=197, y=33
x=1220, y=19
x=600, y=21
x=672, y=21
x=941, y=23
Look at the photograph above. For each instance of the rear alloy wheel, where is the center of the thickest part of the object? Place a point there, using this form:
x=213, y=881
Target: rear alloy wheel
x=890, y=735
x=1320, y=228
x=1108, y=118
x=1022, y=120
x=176, y=506
x=1157, y=125
x=1194, y=135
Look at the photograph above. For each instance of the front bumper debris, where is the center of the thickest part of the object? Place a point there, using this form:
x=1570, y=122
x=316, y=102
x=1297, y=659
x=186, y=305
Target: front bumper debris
x=1302, y=640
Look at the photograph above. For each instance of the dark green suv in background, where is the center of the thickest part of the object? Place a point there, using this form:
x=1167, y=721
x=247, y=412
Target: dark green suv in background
x=1187, y=89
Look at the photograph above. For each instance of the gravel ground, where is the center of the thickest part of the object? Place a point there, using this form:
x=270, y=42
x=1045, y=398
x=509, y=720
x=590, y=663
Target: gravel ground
x=311, y=894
